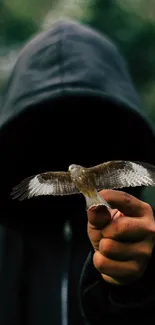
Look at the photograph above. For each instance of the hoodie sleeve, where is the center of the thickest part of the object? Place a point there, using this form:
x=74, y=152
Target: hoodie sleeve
x=102, y=302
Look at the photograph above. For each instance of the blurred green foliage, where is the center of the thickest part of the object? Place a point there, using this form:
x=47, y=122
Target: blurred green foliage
x=132, y=27
x=32, y=10
x=132, y=34
x=14, y=27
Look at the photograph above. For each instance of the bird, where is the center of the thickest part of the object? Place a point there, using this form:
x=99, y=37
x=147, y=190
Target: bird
x=88, y=181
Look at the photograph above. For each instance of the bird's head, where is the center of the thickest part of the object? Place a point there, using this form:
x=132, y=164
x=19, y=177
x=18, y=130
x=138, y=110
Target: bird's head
x=73, y=167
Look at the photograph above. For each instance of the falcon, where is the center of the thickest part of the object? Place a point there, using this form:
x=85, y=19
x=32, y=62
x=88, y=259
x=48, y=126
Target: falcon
x=87, y=181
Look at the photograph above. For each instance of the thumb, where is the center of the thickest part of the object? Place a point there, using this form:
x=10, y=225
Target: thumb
x=99, y=216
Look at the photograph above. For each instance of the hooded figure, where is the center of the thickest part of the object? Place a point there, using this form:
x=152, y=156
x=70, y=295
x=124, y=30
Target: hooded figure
x=69, y=100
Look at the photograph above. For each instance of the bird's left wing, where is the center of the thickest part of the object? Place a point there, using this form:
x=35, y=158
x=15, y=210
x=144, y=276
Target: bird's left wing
x=49, y=183
x=119, y=174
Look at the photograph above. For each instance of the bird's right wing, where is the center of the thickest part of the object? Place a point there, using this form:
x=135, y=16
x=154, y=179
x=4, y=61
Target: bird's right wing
x=49, y=183
x=119, y=174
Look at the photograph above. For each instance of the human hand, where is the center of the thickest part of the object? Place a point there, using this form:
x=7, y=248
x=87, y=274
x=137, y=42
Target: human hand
x=122, y=237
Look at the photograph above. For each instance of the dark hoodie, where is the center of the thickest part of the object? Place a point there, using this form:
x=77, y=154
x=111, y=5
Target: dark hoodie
x=47, y=123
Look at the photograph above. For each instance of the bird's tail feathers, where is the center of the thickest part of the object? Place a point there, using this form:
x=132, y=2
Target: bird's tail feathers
x=95, y=200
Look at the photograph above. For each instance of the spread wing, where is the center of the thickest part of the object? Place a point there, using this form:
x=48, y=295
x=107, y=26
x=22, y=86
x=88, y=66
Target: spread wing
x=119, y=174
x=50, y=183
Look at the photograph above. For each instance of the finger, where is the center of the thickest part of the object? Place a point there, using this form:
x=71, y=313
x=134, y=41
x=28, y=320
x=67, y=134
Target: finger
x=128, y=229
x=94, y=235
x=118, y=251
x=126, y=203
x=119, y=281
x=115, y=281
x=98, y=217
x=112, y=268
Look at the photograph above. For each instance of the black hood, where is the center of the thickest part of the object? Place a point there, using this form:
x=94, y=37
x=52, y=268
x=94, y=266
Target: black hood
x=69, y=100
x=68, y=59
